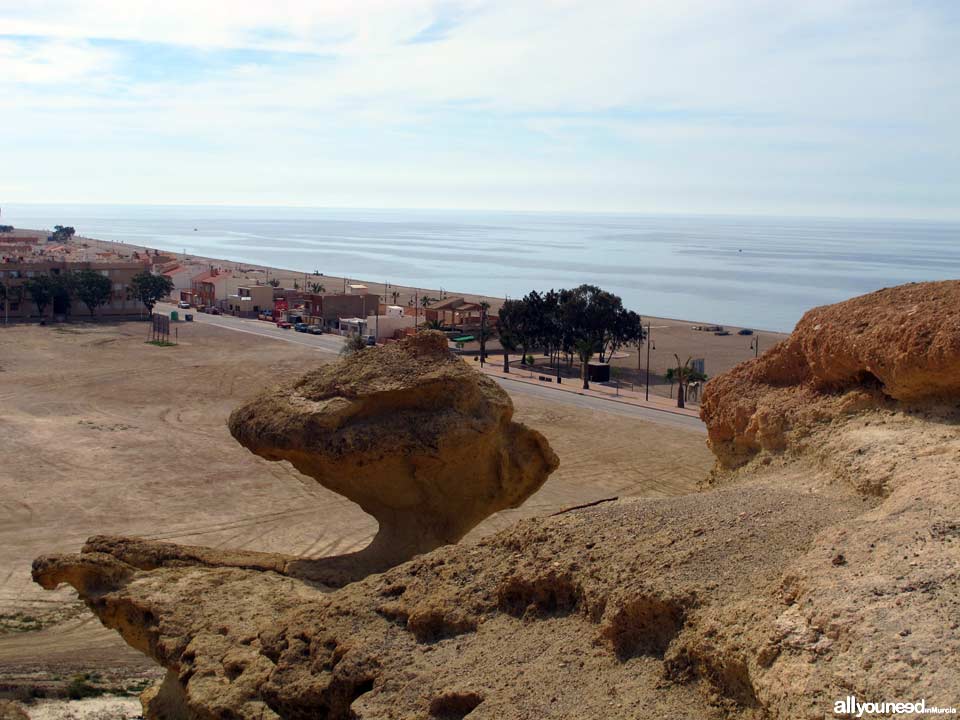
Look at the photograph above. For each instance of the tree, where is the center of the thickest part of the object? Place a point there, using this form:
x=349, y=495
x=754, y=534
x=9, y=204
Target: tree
x=585, y=350
x=62, y=288
x=273, y=283
x=671, y=378
x=353, y=345
x=40, y=289
x=149, y=289
x=484, y=308
x=509, y=345
x=426, y=301
x=92, y=288
x=61, y=233
x=433, y=325
x=396, y=296
x=296, y=285
x=682, y=375
x=317, y=288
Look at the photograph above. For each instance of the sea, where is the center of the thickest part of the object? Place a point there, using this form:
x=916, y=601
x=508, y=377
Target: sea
x=758, y=272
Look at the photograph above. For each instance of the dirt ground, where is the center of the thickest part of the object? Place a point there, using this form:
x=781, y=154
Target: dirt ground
x=105, y=434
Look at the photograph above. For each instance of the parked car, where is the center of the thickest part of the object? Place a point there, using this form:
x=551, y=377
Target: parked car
x=315, y=330
x=215, y=311
x=721, y=332
x=183, y=305
x=284, y=324
x=371, y=340
x=301, y=327
x=745, y=331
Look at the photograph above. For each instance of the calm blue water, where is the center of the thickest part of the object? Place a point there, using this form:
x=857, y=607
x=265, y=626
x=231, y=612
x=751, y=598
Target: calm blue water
x=754, y=271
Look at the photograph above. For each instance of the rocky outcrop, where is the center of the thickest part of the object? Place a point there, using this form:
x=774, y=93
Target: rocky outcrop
x=410, y=433
x=829, y=571
x=9, y=710
x=900, y=344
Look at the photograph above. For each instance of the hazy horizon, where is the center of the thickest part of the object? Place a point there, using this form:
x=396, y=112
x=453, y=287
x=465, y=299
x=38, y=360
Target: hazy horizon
x=493, y=210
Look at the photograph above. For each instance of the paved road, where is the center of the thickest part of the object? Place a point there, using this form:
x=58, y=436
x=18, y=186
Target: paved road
x=324, y=343
x=333, y=343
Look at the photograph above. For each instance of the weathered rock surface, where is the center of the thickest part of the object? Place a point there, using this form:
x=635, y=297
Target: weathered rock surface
x=827, y=571
x=410, y=433
x=10, y=710
x=900, y=344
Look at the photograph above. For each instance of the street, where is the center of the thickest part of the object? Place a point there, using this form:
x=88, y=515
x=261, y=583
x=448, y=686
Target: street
x=332, y=344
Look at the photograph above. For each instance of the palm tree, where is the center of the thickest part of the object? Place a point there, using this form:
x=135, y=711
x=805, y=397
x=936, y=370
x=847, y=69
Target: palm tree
x=433, y=325
x=585, y=351
x=317, y=288
x=426, y=301
x=683, y=377
x=396, y=296
x=671, y=378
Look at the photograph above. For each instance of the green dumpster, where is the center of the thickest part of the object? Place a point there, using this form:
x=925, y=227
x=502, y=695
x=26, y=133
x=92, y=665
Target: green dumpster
x=174, y=316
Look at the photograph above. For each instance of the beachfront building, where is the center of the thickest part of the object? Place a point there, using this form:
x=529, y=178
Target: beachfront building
x=251, y=300
x=17, y=271
x=213, y=286
x=392, y=324
x=328, y=308
x=182, y=275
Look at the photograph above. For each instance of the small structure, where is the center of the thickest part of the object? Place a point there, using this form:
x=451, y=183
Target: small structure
x=598, y=372
x=455, y=312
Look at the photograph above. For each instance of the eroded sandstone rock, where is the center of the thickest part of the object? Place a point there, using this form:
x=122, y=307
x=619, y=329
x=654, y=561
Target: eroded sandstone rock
x=898, y=344
x=410, y=433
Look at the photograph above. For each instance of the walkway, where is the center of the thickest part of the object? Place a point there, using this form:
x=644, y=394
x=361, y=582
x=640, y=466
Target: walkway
x=600, y=397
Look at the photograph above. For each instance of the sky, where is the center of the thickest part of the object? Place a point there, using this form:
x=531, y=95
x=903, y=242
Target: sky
x=821, y=107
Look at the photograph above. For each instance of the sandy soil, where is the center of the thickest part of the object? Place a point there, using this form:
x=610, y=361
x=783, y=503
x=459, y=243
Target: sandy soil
x=103, y=433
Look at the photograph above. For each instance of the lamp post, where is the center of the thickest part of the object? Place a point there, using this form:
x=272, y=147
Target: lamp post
x=483, y=327
x=755, y=345
x=647, y=374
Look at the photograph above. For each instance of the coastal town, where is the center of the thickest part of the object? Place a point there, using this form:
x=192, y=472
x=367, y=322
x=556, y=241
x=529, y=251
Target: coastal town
x=644, y=361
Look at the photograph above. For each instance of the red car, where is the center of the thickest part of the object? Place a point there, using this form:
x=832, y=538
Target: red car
x=283, y=324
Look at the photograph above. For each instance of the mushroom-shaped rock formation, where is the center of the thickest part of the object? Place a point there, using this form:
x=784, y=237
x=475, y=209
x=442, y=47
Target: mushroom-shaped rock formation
x=898, y=344
x=409, y=432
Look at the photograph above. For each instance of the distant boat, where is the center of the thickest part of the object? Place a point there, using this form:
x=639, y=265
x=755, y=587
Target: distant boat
x=194, y=229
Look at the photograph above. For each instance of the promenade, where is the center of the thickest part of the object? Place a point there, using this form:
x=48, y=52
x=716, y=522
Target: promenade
x=624, y=395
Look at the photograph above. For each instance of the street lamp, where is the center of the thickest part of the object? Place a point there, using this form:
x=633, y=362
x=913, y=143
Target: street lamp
x=650, y=346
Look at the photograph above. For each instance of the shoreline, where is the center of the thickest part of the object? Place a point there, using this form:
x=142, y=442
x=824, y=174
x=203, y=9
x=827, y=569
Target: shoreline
x=673, y=339
x=494, y=300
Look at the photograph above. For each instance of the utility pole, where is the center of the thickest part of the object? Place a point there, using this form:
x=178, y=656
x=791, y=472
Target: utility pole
x=649, y=343
x=416, y=309
x=483, y=327
x=755, y=345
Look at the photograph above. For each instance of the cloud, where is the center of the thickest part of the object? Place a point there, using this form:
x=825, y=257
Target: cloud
x=686, y=104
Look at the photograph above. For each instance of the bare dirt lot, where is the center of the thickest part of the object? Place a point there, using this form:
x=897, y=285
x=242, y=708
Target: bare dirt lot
x=105, y=434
